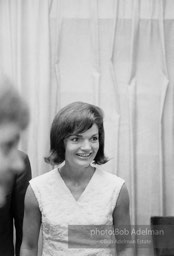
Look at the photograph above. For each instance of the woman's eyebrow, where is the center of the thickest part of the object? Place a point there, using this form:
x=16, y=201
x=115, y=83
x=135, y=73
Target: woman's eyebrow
x=81, y=135
x=75, y=135
x=96, y=134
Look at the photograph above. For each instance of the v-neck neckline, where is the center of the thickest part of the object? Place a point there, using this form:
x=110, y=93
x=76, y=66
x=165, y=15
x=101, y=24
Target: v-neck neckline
x=83, y=192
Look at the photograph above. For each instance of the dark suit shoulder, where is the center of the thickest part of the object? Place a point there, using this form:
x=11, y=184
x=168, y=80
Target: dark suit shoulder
x=26, y=172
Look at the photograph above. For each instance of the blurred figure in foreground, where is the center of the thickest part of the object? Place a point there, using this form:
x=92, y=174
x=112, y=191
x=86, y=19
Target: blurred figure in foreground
x=15, y=170
x=12, y=210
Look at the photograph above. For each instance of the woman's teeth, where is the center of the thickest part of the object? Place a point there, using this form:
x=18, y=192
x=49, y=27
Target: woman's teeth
x=84, y=155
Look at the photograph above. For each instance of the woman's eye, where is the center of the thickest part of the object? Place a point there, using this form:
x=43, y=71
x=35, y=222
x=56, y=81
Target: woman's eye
x=94, y=139
x=75, y=139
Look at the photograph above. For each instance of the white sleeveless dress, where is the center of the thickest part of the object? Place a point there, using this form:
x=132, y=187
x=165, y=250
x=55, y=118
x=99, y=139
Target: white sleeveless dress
x=59, y=209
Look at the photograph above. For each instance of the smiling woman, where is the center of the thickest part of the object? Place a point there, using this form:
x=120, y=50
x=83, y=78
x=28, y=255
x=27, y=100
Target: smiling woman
x=81, y=149
x=70, y=195
x=72, y=120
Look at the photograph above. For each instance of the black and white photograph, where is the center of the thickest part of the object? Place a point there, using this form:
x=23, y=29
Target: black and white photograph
x=86, y=127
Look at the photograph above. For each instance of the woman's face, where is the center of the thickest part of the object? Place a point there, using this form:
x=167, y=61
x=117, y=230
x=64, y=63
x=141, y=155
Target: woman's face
x=81, y=149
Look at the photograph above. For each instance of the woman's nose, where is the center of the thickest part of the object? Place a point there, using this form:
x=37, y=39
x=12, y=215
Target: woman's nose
x=86, y=145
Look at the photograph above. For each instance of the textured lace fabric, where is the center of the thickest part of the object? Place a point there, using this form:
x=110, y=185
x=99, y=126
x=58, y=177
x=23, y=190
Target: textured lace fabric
x=59, y=209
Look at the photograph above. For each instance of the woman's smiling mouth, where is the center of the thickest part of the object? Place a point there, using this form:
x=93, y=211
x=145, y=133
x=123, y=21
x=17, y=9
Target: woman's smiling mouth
x=84, y=155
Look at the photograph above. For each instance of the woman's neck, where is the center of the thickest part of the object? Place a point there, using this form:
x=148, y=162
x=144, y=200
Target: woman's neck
x=76, y=174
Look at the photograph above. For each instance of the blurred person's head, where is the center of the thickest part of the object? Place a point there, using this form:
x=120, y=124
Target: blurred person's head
x=14, y=117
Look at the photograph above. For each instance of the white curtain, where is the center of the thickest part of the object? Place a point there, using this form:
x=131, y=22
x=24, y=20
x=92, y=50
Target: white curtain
x=25, y=58
x=117, y=54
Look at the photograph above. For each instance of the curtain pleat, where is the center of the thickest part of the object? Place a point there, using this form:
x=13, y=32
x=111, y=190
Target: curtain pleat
x=94, y=34
x=165, y=84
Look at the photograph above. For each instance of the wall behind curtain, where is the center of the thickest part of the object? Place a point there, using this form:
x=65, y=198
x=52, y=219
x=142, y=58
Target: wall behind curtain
x=116, y=54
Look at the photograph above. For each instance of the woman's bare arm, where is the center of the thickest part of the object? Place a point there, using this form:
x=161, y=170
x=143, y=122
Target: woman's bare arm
x=31, y=225
x=121, y=219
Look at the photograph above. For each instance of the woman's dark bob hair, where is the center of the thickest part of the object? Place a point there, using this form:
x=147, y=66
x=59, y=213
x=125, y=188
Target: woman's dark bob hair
x=73, y=119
